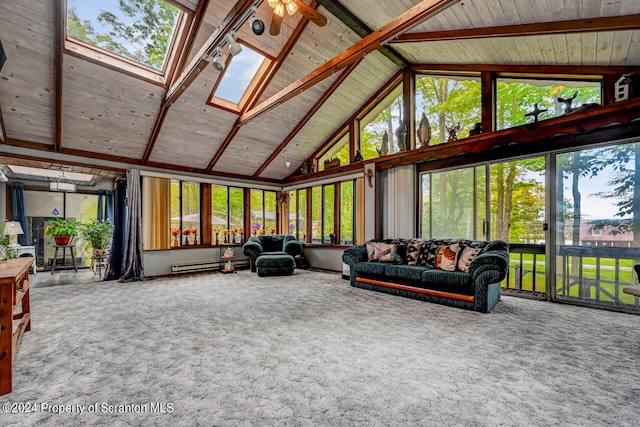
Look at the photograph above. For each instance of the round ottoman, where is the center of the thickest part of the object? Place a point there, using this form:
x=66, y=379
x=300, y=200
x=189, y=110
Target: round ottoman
x=275, y=265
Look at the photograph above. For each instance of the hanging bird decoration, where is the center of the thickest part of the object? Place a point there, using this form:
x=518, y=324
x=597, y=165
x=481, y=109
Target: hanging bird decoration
x=424, y=131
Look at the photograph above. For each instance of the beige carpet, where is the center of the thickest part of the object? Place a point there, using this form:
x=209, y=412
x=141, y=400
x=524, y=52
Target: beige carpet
x=309, y=350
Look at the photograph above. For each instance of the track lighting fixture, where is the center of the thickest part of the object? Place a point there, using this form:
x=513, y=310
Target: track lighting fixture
x=257, y=25
x=219, y=61
x=234, y=47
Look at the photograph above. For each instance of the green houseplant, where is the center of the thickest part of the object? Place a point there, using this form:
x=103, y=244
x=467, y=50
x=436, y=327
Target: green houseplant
x=62, y=230
x=97, y=234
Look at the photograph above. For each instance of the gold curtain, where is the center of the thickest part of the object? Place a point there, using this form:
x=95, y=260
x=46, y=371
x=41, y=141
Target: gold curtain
x=156, y=213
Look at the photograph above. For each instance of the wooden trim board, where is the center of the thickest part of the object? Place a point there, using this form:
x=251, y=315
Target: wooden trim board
x=459, y=297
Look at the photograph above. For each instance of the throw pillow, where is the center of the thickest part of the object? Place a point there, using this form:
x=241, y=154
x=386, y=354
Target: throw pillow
x=467, y=255
x=392, y=257
x=413, y=251
x=446, y=256
x=376, y=250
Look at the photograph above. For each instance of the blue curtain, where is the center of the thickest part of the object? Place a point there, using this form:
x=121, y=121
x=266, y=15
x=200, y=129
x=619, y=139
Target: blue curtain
x=133, y=262
x=105, y=205
x=19, y=212
x=109, y=206
x=100, y=215
x=119, y=213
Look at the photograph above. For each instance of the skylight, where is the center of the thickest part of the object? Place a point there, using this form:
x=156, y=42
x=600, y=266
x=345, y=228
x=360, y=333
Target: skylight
x=52, y=174
x=239, y=74
x=139, y=30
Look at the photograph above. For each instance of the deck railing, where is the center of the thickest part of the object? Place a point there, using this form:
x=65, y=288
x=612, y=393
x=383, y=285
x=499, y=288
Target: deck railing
x=592, y=274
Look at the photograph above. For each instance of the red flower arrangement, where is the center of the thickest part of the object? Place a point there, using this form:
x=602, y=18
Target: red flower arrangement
x=175, y=231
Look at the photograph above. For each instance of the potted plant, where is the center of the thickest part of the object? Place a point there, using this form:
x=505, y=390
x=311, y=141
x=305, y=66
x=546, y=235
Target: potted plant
x=97, y=235
x=62, y=230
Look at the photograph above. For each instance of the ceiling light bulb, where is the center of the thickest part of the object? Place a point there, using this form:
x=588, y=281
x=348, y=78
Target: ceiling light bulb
x=219, y=62
x=287, y=163
x=279, y=10
x=272, y=3
x=292, y=8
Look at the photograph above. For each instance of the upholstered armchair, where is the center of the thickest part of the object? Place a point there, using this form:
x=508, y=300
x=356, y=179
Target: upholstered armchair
x=271, y=244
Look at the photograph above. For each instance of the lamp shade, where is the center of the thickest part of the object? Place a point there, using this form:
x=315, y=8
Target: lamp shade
x=13, y=228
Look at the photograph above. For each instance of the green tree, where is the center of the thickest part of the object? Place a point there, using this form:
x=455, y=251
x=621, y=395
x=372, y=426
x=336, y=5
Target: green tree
x=625, y=161
x=141, y=31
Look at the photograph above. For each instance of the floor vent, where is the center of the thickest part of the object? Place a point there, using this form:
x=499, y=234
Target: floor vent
x=192, y=267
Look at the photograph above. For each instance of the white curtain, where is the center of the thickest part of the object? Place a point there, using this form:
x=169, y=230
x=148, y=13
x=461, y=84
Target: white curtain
x=399, y=202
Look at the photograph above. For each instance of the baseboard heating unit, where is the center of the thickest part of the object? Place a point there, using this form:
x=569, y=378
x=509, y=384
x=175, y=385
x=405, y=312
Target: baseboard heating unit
x=193, y=267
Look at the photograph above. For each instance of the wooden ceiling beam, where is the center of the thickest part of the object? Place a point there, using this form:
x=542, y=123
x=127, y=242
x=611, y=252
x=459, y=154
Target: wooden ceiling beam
x=198, y=63
x=196, y=66
x=262, y=86
x=59, y=17
x=556, y=70
x=335, y=85
x=371, y=43
x=192, y=28
x=3, y=130
x=609, y=23
x=360, y=28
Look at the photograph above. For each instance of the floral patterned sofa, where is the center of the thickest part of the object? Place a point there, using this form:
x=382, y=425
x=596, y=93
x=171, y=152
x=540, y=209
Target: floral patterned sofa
x=455, y=272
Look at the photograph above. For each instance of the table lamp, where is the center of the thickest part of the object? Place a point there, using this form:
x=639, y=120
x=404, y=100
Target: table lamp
x=12, y=229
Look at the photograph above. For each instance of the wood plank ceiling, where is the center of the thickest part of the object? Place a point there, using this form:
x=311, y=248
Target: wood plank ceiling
x=54, y=100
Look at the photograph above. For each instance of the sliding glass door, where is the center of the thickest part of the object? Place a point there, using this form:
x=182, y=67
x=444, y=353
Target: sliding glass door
x=597, y=231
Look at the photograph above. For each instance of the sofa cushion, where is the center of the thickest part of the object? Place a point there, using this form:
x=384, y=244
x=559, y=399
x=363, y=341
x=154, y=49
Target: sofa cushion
x=401, y=248
x=448, y=281
x=392, y=258
x=447, y=257
x=413, y=251
x=467, y=254
x=377, y=250
x=429, y=252
x=405, y=273
x=272, y=243
x=370, y=268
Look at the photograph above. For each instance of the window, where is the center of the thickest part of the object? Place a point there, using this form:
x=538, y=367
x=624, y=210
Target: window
x=333, y=213
x=238, y=76
x=219, y=210
x=347, y=213
x=444, y=101
x=298, y=214
x=517, y=97
x=380, y=127
x=264, y=215
x=185, y=213
x=328, y=218
x=316, y=215
x=140, y=31
x=339, y=150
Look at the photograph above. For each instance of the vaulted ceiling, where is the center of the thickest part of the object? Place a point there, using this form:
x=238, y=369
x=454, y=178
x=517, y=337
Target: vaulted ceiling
x=57, y=103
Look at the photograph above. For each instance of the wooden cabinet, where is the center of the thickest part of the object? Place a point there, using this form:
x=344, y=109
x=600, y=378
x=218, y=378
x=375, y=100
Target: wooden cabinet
x=14, y=293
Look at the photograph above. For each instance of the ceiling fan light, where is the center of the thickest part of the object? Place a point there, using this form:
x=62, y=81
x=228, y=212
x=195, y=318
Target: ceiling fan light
x=292, y=8
x=272, y=3
x=279, y=10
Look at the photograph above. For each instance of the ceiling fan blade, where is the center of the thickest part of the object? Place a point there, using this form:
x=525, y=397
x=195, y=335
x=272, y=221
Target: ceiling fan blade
x=311, y=14
x=276, y=22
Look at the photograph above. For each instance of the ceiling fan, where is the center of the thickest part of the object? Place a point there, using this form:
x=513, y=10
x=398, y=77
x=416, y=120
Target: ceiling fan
x=293, y=6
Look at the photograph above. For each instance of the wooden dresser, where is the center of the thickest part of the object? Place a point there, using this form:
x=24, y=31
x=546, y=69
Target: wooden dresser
x=14, y=292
